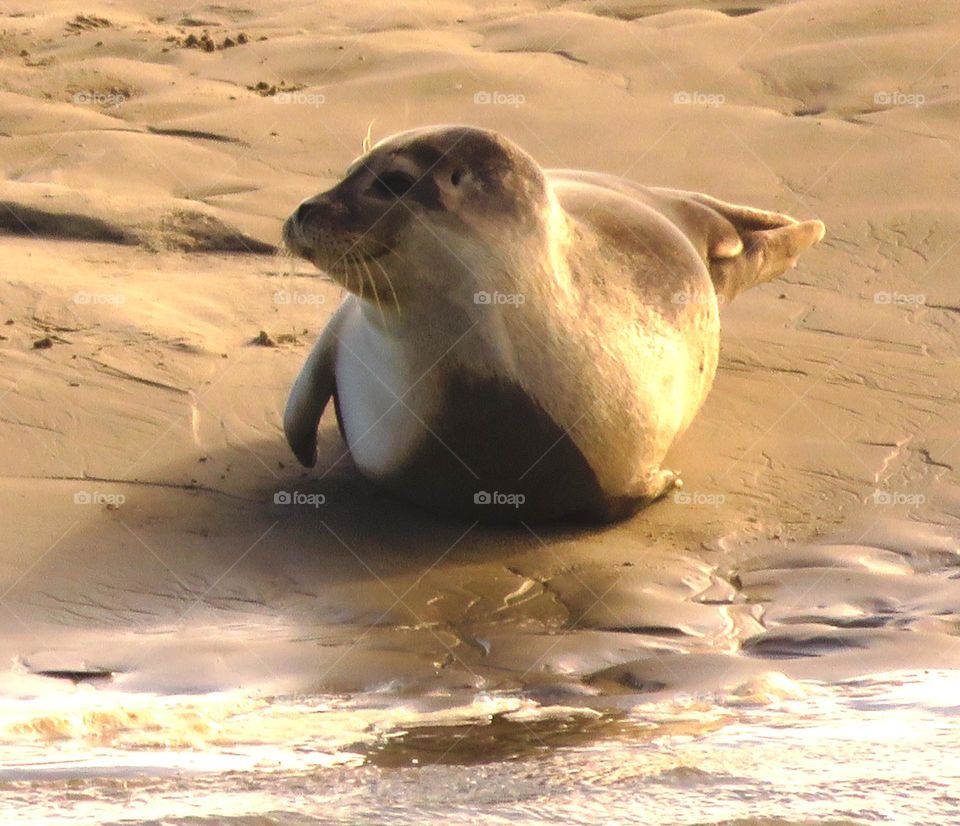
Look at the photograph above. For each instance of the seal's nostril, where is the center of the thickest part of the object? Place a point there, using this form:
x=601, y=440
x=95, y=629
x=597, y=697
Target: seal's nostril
x=304, y=211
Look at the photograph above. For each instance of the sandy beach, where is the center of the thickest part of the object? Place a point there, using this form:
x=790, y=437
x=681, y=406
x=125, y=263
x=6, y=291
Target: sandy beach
x=150, y=331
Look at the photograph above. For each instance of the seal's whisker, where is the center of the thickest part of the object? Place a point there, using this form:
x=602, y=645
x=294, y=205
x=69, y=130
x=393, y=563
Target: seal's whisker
x=348, y=274
x=373, y=286
x=356, y=269
x=343, y=274
x=368, y=138
x=345, y=254
x=386, y=276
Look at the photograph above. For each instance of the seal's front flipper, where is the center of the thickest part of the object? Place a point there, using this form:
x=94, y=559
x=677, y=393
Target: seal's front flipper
x=742, y=246
x=310, y=394
x=655, y=485
x=646, y=489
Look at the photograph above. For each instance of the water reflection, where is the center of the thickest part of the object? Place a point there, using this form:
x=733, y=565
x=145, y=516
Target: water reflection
x=771, y=750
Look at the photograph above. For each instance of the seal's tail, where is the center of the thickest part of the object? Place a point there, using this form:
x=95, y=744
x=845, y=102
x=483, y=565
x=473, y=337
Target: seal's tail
x=761, y=246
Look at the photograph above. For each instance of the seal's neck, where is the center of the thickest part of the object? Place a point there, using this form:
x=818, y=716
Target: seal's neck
x=559, y=241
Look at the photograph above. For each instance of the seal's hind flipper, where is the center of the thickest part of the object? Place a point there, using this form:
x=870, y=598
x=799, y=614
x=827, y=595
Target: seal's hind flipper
x=765, y=253
x=310, y=394
x=741, y=245
x=769, y=243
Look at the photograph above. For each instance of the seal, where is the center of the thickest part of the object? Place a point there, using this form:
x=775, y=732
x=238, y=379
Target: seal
x=518, y=343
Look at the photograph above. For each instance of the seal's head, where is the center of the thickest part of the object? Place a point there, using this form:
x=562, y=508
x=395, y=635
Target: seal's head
x=426, y=209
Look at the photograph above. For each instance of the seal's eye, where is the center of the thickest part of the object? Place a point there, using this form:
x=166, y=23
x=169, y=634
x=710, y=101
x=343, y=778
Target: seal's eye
x=455, y=177
x=392, y=184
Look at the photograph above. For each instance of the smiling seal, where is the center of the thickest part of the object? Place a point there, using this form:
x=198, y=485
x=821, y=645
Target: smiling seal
x=518, y=344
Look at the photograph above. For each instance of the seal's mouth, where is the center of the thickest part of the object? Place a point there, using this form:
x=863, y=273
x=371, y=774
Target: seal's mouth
x=352, y=261
x=334, y=255
x=293, y=239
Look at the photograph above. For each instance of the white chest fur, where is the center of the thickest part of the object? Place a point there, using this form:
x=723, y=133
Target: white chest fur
x=386, y=395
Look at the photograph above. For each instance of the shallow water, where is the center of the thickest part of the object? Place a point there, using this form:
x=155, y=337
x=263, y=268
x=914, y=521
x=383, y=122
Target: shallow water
x=875, y=750
x=762, y=682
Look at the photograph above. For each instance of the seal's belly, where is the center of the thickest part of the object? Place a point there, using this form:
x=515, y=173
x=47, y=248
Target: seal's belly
x=455, y=441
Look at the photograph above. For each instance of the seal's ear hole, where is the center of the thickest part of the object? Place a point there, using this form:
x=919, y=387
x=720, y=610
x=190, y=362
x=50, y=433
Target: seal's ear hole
x=455, y=177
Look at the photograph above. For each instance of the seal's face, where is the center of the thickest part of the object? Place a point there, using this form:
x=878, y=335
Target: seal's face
x=423, y=209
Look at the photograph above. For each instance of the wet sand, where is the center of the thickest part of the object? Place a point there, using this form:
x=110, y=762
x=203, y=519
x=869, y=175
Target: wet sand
x=145, y=180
